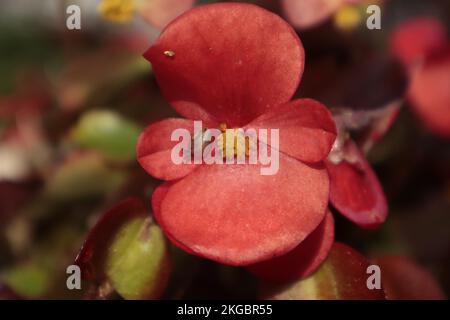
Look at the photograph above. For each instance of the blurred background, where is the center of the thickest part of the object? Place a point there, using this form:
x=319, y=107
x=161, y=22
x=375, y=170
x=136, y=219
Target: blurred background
x=73, y=102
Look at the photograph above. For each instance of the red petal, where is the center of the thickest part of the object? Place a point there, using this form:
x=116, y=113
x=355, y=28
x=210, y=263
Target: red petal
x=303, y=260
x=306, y=127
x=160, y=12
x=157, y=197
x=415, y=39
x=404, y=280
x=355, y=190
x=343, y=276
x=430, y=95
x=230, y=61
x=234, y=215
x=309, y=13
x=154, y=148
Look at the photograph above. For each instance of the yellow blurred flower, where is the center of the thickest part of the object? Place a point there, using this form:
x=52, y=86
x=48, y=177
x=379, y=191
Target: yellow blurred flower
x=347, y=17
x=117, y=10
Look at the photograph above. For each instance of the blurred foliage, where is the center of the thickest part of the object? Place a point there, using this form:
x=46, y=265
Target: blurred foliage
x=24, y=44
x=27, y=280
x=69, y=180
x=108, y=133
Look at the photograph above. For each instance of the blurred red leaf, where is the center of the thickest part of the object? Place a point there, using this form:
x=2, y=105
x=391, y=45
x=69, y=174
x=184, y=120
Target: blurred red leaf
x=429, y=93
x=6, y=293
x=342, y=276
x=14, y=195
x=413, y=40
x=403, y=279
x=30, y=98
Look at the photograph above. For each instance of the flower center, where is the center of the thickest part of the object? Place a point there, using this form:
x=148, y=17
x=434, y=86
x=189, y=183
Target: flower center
x=230, y=142
x=233, y=143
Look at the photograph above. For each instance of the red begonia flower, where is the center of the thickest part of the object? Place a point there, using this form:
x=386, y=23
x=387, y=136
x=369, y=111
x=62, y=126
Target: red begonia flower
x=413, y=40
x=354, y=188
x=423, y=47
x=239, y=65
x=303, y=260
x=403, y=279
x=429, y=93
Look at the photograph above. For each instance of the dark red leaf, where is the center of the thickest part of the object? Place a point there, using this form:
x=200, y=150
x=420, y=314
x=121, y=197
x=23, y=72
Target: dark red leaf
x=343, y=276
x=355, y=190
x=403, y=279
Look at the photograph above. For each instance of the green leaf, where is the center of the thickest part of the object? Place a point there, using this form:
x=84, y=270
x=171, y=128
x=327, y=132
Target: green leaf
x=83, y=175
x=28, y=280
x=92, y=79
x=137, y=261
x=107, y=132
x=125, y=250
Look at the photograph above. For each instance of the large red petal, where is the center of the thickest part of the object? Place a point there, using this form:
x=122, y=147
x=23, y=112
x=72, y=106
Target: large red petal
x=413, y=40
x=234, y=215
x=306, y=128
x=160, y=12
x=154, y=149
x=157, y=197
x=429, y=93
x=403, y=279
x=303, y=260
x=228, y=61
x=355, y=190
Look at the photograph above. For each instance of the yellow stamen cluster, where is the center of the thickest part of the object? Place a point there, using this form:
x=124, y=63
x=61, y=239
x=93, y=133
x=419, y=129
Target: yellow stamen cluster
x=239, y=146
x=242, y=144
x=117, y=10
